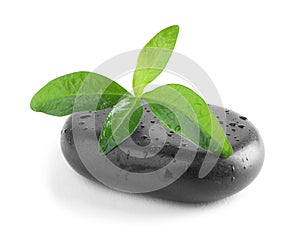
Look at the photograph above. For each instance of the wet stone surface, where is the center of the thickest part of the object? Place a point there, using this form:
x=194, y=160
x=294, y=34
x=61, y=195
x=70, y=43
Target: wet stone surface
x=152, y=147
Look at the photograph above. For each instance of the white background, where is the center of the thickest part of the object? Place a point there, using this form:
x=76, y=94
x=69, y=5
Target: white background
x=250, y=49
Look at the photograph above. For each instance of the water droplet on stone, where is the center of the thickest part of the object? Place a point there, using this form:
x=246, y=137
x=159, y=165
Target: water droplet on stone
x=144, y=137
x=232, y=168
x=83, y=116
x=232, y=179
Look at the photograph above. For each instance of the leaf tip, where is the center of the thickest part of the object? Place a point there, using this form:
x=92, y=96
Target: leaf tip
x=102, y=147
x=33, y=104
x=227, y=149
x=175, y=27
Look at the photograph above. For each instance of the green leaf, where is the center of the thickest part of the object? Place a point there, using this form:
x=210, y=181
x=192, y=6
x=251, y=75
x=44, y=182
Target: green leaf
x=120, y=123
x=75, y=92
x=154, y=57
x=182, y=110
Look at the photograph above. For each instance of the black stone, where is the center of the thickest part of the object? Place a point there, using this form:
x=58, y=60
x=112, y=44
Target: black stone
x=228, y=176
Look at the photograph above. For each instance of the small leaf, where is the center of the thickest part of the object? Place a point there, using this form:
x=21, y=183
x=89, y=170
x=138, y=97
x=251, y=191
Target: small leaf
x=182, y=110
x=120, y=123
x=154, y=57
x=75, y=92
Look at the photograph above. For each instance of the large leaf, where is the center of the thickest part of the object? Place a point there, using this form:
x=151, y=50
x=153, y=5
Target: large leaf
x=120, y=123
x=77, y=91
x=182, y=110
x=154, y=57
